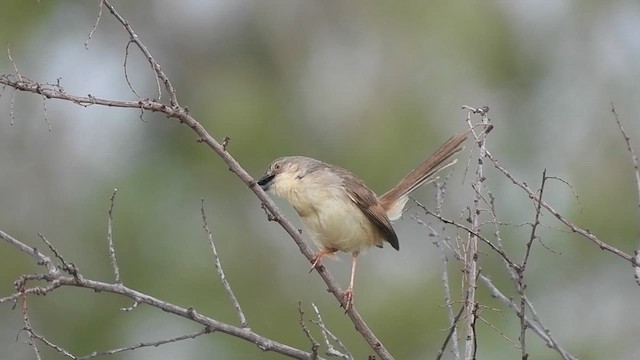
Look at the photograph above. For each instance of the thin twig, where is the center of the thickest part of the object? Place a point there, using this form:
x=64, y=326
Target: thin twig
x=575, y=228
x=95, y=26
x=223, y=278
x=146, y=344
x=315, y=345
x=27, y=325
x=56, y=347
x=540, y=330
x=470, y=232
x=520, y=284
x=126, y=74
x=41, y=258
x=634, y=160
x=450, y=335
x=15, y=67
x=44, y=112
x=160, y=75
x=12, y=112
x=112, y=248
x=453, y=319
x=70, y=268
x=328, y=337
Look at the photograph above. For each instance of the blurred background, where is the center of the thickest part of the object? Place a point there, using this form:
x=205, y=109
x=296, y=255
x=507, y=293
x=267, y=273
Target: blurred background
x=373, y=86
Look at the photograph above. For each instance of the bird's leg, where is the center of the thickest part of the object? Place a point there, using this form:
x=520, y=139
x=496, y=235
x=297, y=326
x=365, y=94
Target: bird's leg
x=317, y=258
x=347, y=296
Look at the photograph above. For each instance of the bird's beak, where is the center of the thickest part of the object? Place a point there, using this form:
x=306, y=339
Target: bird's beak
x=265, y=181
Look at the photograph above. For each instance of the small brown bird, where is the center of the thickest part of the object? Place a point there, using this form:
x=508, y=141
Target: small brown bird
x=339, y=211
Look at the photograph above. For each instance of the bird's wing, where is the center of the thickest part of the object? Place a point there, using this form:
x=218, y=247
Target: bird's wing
x=368, y=203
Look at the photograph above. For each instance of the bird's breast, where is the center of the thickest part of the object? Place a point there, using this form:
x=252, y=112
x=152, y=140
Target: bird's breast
x=333, y=220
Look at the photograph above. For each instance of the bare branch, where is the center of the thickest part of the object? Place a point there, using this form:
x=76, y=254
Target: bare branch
x=15, y=67
x=95, y=26
x=453, y=320
x=314, y=343
x=470, y=232
x=41, y=258
x=160, y=75
x=471, y=269
x=520, y=284
x=451, y=334
x=541, y=331
x=328, y=337
x=44, y=111
x=70, y=268
x=223, y=278
x=46, y=341
x=585, y=233
x=126, y=74
x=146, y=344
x=634, y=160
x=112, y=249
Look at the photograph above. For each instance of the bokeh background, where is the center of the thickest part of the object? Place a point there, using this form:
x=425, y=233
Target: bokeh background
x=371, y=85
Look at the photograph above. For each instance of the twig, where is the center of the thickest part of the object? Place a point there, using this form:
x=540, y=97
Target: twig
x=112, y=248
x=146, y=344
x=470, y=232
x=541, y=331
x=331, y=351
x=126, y=74
x=453, y=320
x=70, y=268
x=451, y=334
x=46, y=341
x=471, y=269
x=27, y=324
x=315, y=345
x=12, y=112
x=576, y=229
x=15, y=67
x=634, y=160
x=95, y=26
x=41, y=258
x=520, y=284
x=160, y=75
x=44, y=111
x=223, y=278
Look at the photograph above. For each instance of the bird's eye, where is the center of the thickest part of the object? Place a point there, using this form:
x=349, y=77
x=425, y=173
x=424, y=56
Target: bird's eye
x=276, y=167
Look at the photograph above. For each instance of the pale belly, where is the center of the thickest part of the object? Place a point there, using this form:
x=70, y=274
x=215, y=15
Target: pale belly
x=340, y=225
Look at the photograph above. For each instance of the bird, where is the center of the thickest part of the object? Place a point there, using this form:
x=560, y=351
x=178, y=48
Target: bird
x=338, y=210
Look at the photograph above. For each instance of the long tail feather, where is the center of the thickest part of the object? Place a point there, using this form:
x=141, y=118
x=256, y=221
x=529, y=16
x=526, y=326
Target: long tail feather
x=393, y=201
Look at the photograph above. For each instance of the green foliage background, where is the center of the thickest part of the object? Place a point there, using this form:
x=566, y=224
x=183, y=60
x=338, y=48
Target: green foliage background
x=373, y=86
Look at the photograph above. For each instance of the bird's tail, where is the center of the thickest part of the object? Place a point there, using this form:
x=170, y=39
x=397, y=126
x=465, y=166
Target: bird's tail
x=393, y=201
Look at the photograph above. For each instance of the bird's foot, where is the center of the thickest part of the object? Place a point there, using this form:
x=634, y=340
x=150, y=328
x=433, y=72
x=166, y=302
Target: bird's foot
x=316, y=262
x=347, y=299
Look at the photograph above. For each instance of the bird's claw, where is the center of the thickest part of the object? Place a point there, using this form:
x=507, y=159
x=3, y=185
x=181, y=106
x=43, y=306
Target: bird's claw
x=316, y=262
x=347, y=299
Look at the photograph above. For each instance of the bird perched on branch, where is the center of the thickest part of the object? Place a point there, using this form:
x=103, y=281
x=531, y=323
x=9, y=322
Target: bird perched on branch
x=339, y=211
